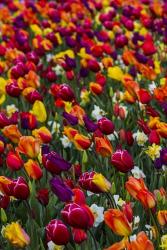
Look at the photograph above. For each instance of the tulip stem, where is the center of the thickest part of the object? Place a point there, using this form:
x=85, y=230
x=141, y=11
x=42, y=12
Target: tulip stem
x=94, y=239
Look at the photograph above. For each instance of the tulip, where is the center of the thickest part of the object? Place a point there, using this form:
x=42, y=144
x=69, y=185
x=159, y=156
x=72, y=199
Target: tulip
x=12, y=132
x=43, y=196
x=31, y=95
x=43, y=134
x=79, y=196
x=33, y=169
x=138, y=190
x=72, y=120
x=39, y=111
x=28, y=120
x=16, y=235
x=2, y=145
x=63, y=192
x=122, y=160
x=78, y=216
x=81, y=142
x=14, y=161
x=127, y=210
x=162, y=217
x=54, y=163
x=103, y=146
x=13, y=89
x=79, y=235
x=163, y=156
x=4, y=201
x=94, y=182
x=148, y=46
x=154, y=137
x=118, y=222
x=19, y=188
x=66, y=93
x=29, y=146
x=144, y=96
x=95, y=88
x=141, y=242
x=90, y=125
x=106, y=126
x=57, y=232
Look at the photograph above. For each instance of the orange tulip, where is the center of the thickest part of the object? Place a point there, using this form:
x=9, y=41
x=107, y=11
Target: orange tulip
x=70, y=132
x=95, y=88
x=81, y=142
x=43, y=134
x=138, y=190
x=29, y=146
x=141, y=242
x=162, y=217
x=78, y=112
x=103, y=146
x=33, y=169
x=131, y=86
x=12, y=132
x=118, y=222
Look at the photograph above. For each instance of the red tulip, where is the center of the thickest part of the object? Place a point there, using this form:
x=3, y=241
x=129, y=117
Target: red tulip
x=43, y=196
x=14, y=161
x=19, y=189
x=57, y=232
x=78, y=216
x=154, y=137
x=122, y=160
x=106, y=126
x=79, y=235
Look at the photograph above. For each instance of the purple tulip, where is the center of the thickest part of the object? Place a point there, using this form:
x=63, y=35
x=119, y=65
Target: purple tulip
x=71, y=119
x=90, y=126
x=54, y=163
x=158, y=163
x=163, y=156
x=59, y=188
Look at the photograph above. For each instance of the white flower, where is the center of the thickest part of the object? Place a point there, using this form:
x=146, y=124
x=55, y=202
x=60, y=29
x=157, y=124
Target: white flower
x=133, y=237
x=98, y=113
x=98, y=214
x=58, y=70
x=140, y=137
x=54, y=127
x=137, y=172
x=89, y=193
x=11, y=109
x=53, y=246
x=65, y=142
x=118, y=200
x=151, y=87
x=136, y=221
x=49, y=57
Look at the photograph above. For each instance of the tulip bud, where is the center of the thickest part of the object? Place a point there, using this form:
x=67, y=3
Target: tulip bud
x=28, y=120
x=103, y=146
x=106, y=126
x=95, y=88
x=144, y=96
x=63, y=192
x=66, y=93
x=14, y=161
x=54, y=163
x=4, y=201
x=43, y=196
x=127, y=210
x=19, y=189
x=93, y=65
x=79, y=235
x=13, y=89
x=57, y=232
x=154, y=137
x=122, y=160
x=162, y=217
x=33, y=169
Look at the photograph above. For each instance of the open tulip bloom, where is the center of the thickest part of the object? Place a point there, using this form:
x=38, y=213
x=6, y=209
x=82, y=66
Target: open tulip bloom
x=83, y=124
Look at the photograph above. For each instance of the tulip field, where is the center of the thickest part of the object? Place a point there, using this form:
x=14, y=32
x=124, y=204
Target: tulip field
x=83, y=124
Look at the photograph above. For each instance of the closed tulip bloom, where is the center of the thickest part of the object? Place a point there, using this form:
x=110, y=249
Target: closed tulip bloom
x=71, y=119
x=39, y=111
x=14, y=161
x=81, y=142
x=33, y=169
x=78, y=216
x=79, y=196
x=70, y=132
x=19, y=188
x=154, y=137
x=162, y=217
x=31, y=95
x=29, y=146
x=90, y=125
x=12, y=132
x=122, y=160
x=94, y=182
x=57, y=232
x=2, y=146
x=13, y=89
x=95, y=88
x=142, y=242
x=59, y=188
x=43, y=196
x=66, y=93
x=28, y=120
x=43, y=134
x=106, y=126
x=54, y=163
x=138, y=190
x=103, y=146
x=144, y=96
x=16, y=235
x=118, y=222
x=79, y=235
x=127, y=210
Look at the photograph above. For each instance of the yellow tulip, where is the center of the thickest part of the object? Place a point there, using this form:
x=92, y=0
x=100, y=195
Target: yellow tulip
x=39, y=111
